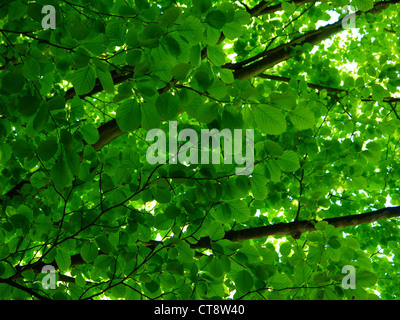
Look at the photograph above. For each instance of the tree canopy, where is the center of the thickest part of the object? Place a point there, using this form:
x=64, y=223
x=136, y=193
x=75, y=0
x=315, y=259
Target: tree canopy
x=78, y=193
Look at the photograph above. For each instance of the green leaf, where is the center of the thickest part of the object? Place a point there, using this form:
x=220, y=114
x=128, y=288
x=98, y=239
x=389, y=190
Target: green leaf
x=47, y=148
x=364, y=5
x=202, y=80
x=133, y=57
x=39, y=179
x=19, y=221
x=128, y=115
x=31, y=69
x=146, y=88
x=22, y=148
x=216, y=231
x=195, y=56
x=233, y=30
x=365, y=278
x=13, y=82
x=132, y=38
x=162, y=195
x=274, y=170
x=80, y=280
x=273, y=148
x=279, y=281
x=56, y=103
x=378, y=92
x=171, y=212
x=84, y=80
x=259, y=182
x=77, y=29
x=90, y=133
x=63, y=260
x=104, y=244
x=334, y=243
x=285, y=100
x=73, y=160
x=167, y=106
x=28, y=105
x=216, y=19
x=173, y=46
x=103, y=261
x=89, y=252
x=169, y=16
x=302, y=118
x=227, y=76
x=321, y=225
x=150, y=117
x=29, y=275
x=152, y=286
x=41, y=118
x=144, y=233
x=302, y=272
x=207, y=112
x=244, y=281
x=192, y=30
x=202, y=5
x=269, y=119
x=216, y=55
x=106, y=80
x=289, y=161
x=289, y=7
x=119, y=291
x=142, y=4
x=181, y=71
x=60, y=174
x=215, y=268
x=240, y=210
x=231, y=118
x=315, y=236
x=186, y=254
x=115, y=31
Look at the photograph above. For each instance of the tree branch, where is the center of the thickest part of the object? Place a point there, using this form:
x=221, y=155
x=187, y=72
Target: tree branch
x=110, y=130
x=298, y=227
x=294, y=229
x=21, y=287
x=321, y=87
x=281, y=53
x=264, y=7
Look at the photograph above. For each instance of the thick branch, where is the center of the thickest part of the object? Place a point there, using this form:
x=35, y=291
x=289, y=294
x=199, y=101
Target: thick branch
x=321, y=87
x=110, y=130
x=294, y=229
x=298, y=227
x=264, y=7
x=282, y=52
x=21, y=287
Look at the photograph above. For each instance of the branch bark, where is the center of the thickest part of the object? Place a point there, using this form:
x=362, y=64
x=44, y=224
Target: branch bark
x=282, y=53
x=110, y=130
x=21, y=287
x=298, y=227
x=264, y=7
x=320, y=87
x=294, y=229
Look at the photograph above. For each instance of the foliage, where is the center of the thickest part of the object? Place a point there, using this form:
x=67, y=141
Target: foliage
x=77, y=191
